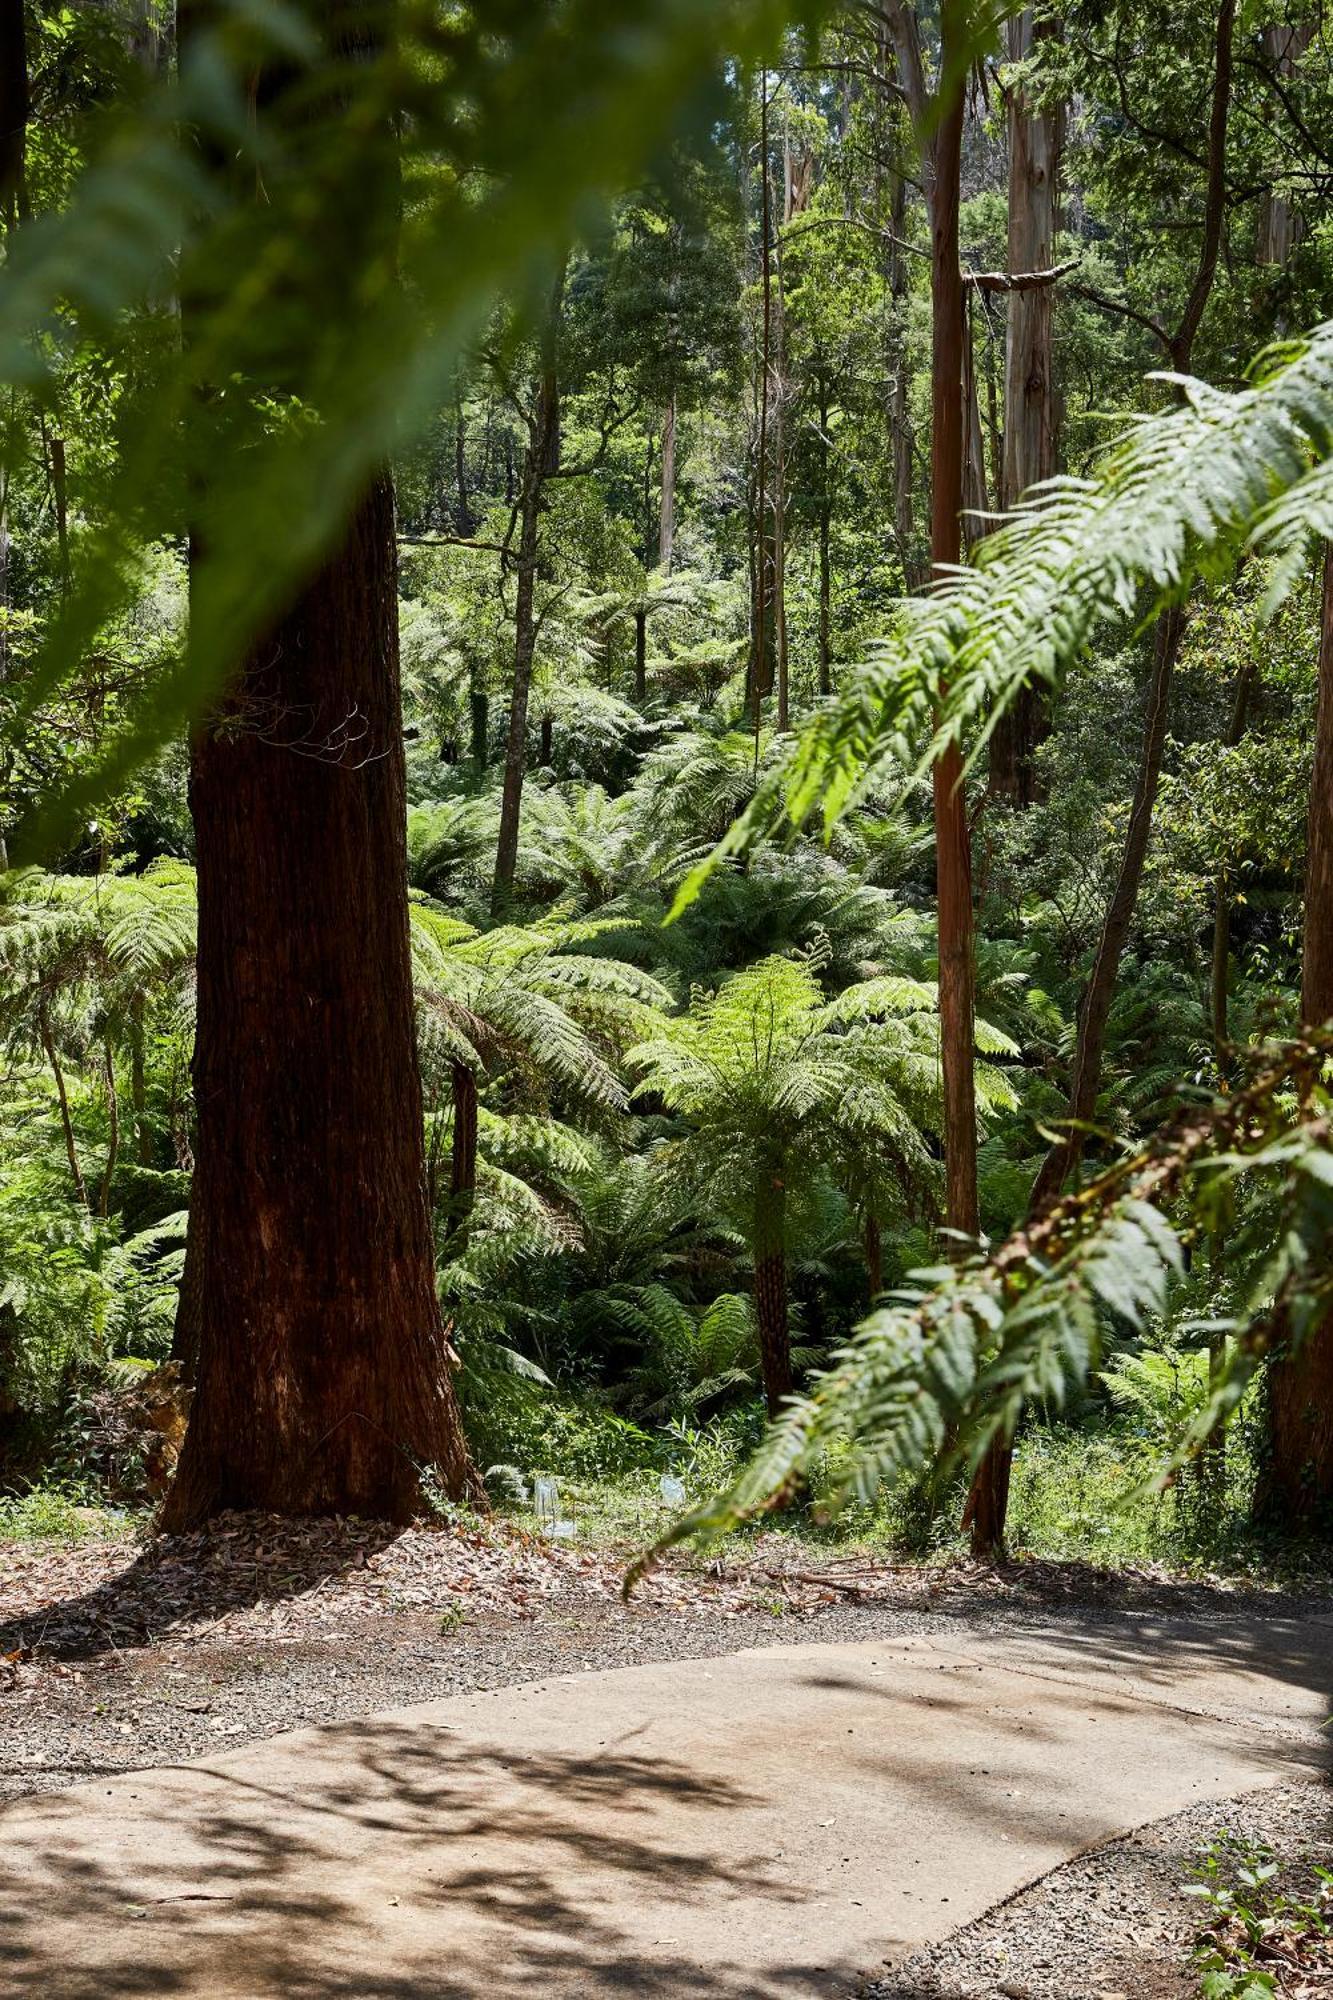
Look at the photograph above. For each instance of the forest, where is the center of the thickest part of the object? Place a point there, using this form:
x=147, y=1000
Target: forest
x=666, y=895
x=622, y=933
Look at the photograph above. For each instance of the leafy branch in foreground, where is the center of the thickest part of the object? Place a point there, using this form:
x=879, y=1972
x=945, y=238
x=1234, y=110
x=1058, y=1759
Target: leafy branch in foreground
x=1185, y=491
x=488, y=191
x=957, y=1361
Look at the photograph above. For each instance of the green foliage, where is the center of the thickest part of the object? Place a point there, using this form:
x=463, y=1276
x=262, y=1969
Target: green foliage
x=1186, y=491
x=964, y=1350
x=1267, y=1918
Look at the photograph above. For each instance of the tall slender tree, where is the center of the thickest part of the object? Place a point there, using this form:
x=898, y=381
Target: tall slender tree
x=1029, y=362
x=938, y=119
x=1296, y=1486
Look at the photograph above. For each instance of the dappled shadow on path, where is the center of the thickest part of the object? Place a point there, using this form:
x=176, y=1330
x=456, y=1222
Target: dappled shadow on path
x=411, y=1864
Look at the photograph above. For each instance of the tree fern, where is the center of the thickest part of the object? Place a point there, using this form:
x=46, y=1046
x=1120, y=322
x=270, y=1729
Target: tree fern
x=958, y=1356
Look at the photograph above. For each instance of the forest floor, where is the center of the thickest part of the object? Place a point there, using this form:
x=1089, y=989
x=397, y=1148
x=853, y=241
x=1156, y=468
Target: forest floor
x=116, y=1657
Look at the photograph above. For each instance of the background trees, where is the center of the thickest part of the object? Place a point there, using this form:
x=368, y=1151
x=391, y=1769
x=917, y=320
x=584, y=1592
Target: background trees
x=679, y=387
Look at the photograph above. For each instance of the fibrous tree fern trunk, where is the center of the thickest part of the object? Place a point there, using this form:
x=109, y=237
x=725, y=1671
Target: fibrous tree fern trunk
x=323, y=1380
x=463, y=1160
x=770, y=1289
x=1296, y=1486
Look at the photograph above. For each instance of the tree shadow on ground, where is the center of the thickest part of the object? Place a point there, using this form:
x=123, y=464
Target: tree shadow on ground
x=239, y=1561
x=418, y=1867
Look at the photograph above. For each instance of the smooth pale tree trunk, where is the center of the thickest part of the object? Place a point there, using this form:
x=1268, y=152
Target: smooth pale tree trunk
x=324, y=1383
x=1295, y=1490
x=1029, y=385
x=770, y=1289
x=666, y=519
x=540, y=460
x=1283, y=47
x=641, y=654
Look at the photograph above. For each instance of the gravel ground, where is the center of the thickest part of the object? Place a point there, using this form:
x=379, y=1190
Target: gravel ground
x=1113, y=1924
x=114, y=1658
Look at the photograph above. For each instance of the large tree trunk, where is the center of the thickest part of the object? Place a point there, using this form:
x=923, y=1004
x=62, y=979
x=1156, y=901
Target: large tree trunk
x=324, y=1382
x=1296, y=1487
x=953, y=848
x=770, y=1289
x=1029, y=387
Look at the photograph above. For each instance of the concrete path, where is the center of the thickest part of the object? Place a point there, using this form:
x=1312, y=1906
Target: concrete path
x=772, y=1823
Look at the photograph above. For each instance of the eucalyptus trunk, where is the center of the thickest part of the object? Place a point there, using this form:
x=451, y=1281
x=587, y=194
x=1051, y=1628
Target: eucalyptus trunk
x=1029, y=370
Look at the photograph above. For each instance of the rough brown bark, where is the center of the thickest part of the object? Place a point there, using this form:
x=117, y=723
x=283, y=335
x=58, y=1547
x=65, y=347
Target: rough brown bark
x=1296, y=1488
x=770, y=1289
x=324, y=1381
x=1029, y=386
x=953, y=849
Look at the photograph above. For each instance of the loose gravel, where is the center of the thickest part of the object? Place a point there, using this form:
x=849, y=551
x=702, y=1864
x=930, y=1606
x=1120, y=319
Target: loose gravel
x=116, y=1658
x=1114, y=1924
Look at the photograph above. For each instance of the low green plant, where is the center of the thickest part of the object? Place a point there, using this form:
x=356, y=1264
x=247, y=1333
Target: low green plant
x=54, y=1514
x=1268, y=1921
